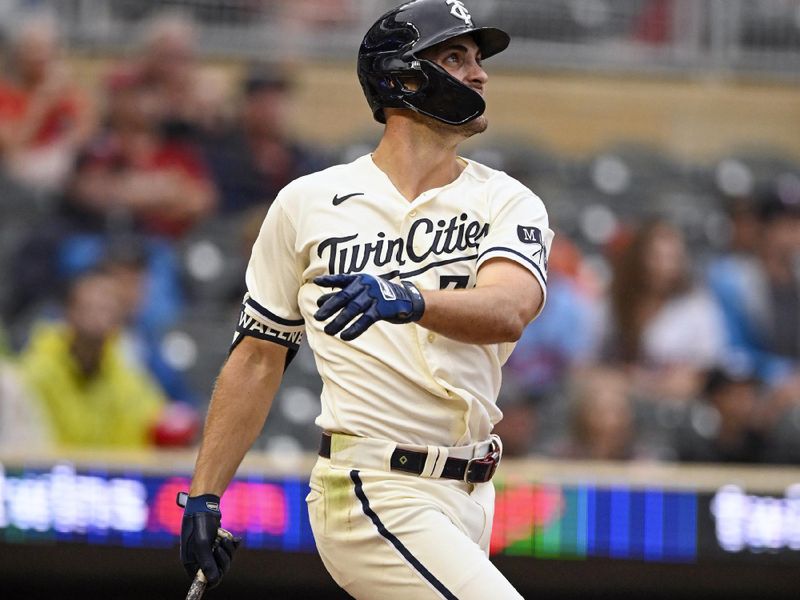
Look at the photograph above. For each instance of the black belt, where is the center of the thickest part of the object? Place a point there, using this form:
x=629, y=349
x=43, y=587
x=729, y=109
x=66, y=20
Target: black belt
x=474, y=470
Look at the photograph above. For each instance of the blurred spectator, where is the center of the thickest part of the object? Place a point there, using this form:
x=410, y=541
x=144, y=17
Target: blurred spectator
x=54, y=253
x=252, y=220
x=144, y=338
x=602, y=420
x=146, y=273
x=44, y=116
x=147, y=270
x=184, y=100
x=732, y=423
x=255, y=158
x=90, y=394
x=22, y=422
x=759, y=292
x=250, y=224
x=660, y=323
x=745, y=226
x=519, y=427
x=544, y=359
x=544, y=355
x=131, y=176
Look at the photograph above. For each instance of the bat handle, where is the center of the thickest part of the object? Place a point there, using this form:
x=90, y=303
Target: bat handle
x=198, y=587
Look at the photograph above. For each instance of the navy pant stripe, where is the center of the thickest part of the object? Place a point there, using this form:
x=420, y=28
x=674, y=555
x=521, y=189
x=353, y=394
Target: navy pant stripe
x=412, y=560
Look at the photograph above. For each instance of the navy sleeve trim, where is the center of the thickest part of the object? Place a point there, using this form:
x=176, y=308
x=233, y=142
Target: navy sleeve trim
x=527, y=259
x=255, y=306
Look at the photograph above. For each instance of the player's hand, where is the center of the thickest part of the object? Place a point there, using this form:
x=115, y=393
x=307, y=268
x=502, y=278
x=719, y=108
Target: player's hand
x=367, y=299
x=201, y=547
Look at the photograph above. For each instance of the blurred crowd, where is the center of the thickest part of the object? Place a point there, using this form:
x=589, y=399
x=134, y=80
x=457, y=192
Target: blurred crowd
x=100, y=189
x=646, y=350
x=669, y=359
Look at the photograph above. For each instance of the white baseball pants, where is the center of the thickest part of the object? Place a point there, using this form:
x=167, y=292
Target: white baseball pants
x=384, y=534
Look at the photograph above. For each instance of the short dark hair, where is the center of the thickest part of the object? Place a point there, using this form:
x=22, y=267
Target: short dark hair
x=722, y=376
x=773, y=205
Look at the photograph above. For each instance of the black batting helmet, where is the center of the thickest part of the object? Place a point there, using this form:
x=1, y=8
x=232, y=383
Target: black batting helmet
x=389, y=55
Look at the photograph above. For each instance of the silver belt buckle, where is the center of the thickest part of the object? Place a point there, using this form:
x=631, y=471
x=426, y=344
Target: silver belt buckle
x=488, y=462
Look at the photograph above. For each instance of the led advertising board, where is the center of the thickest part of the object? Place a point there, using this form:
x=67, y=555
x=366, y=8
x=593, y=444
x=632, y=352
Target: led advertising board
x=655, y=524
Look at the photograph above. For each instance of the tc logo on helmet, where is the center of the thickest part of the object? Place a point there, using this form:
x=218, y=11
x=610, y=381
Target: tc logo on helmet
x=458, y=10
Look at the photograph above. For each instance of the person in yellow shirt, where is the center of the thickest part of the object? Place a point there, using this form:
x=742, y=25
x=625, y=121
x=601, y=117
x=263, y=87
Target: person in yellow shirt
x=91, y=395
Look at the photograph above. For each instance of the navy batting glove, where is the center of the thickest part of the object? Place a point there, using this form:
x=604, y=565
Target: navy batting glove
x=367, y=299
x=201, y=546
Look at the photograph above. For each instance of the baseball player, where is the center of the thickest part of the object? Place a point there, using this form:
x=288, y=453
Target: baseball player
x=411, y=272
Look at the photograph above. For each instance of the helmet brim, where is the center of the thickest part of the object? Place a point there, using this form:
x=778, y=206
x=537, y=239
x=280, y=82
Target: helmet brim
x=490, y=40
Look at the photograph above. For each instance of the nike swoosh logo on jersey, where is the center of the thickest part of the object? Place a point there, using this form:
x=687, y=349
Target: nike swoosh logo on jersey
x=337, y=199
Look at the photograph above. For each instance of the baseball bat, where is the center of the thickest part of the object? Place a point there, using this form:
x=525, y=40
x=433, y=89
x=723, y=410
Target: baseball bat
x=198, y=587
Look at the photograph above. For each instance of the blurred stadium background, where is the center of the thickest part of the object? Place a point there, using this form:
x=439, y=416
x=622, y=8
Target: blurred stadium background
x=614, y=111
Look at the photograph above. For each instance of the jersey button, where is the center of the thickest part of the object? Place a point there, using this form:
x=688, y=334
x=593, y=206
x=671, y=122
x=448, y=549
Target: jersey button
x=431, y=337
x=412, y=214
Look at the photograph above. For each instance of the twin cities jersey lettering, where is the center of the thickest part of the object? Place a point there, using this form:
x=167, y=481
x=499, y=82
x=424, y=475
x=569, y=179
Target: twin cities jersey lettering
x=436, y=239
x=396, y=382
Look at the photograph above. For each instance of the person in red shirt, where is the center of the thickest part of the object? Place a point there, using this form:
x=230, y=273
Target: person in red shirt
x=44, y=115
x=187, y=99
x=133, y=174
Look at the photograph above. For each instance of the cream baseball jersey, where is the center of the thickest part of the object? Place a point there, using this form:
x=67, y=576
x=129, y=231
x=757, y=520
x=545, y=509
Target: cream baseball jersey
x=395, y=382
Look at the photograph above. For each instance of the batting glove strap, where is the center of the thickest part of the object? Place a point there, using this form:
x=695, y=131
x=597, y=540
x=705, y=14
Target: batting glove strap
x=417, y=301
x=204, y=503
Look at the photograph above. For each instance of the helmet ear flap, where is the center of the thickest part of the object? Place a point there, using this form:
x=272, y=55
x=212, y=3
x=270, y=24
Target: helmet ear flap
x=445, y=98
x=430, y=90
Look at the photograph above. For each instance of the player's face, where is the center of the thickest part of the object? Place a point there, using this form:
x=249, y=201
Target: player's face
x=461, y=58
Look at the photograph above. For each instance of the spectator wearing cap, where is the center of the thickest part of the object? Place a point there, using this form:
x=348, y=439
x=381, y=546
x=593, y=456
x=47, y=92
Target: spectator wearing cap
x=254, y=158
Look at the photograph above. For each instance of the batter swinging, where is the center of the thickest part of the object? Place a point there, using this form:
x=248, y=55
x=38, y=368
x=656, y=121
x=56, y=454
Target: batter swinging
x=412, y=272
